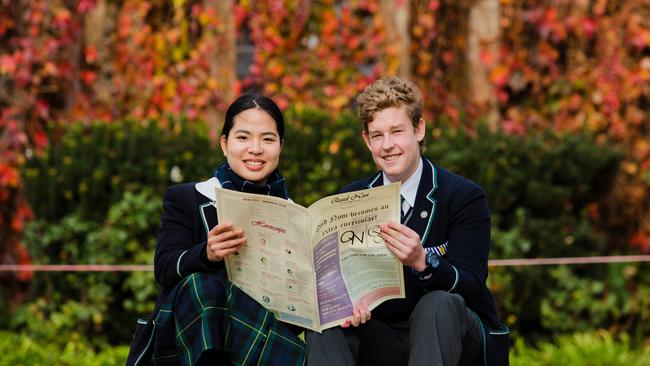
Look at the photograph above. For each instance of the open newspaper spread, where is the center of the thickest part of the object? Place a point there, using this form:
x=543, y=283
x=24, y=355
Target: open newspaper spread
x=310, y=266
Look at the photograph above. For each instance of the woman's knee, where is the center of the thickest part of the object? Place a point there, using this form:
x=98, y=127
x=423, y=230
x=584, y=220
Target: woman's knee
x=207, y=278
x=210, y=285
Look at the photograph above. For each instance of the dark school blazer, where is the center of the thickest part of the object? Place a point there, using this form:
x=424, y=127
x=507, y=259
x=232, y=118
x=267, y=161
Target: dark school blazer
x=452, y=217
x=187, y=217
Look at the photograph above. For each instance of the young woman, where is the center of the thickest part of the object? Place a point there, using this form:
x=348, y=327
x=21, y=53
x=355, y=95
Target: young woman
x=200, y=317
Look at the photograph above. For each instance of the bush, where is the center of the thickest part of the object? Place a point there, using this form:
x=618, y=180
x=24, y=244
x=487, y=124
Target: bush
x=96, y=192
x=18, y=349
x=88, y=304
x=88, y=167
x=588, y=349
x=540, y=187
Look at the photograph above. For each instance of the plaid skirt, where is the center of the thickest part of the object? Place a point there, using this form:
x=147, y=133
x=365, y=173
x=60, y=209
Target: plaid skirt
x=208, y=312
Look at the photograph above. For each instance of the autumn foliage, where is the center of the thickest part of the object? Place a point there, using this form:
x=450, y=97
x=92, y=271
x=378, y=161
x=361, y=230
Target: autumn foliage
x=577, y=65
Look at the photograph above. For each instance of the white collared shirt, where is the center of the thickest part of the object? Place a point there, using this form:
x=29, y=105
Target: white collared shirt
x=409, y=188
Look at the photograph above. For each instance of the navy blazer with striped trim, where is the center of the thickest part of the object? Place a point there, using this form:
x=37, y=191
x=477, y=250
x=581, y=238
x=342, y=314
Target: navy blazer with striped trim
x=188, y=215
x=452, y=217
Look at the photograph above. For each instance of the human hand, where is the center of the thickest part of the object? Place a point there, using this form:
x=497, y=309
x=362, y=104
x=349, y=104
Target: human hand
x=224, y=239
x=405, y=244
x=360, y=315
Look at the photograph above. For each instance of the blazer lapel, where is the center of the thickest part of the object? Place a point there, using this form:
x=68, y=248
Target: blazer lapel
x=375, y=180
x=208, y=213
x=208, y=210
x=421, y=220
x=421, y=217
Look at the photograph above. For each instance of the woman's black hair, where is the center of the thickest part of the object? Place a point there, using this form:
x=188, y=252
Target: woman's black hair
x=252, y=101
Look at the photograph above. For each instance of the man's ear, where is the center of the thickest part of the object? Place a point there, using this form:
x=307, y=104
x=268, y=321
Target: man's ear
x=224, y=145
x=366, y=139
x=420, y=130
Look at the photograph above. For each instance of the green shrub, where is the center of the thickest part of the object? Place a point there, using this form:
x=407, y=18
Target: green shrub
x=539, y=186
x=17, y=349
x=88, y=167
x=96, y=193
x=89, y=304
x=588, y=349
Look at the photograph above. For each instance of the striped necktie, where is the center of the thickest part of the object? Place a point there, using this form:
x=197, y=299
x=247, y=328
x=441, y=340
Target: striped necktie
x=405, y=208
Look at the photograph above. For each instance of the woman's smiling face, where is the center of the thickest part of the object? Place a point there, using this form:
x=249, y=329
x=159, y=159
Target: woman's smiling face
x=253, y=145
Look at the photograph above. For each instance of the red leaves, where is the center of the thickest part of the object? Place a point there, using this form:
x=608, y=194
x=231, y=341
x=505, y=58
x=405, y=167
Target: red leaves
x=40, y=140
x=90, y=54
x=22, y=214
x=9, y=176
x=85, y=6
x=433, y=5
x=641, y=240
x=88, y=77
x=8, y=64
x=323, y=63
x=588, y=26
x=62, y=18
x=23, y=258
x=42, y=109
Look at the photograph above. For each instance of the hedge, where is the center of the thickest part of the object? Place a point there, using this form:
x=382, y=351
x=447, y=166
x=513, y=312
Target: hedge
x=97, y=190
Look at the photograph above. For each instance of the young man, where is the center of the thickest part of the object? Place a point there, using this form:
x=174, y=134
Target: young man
x=448, y=316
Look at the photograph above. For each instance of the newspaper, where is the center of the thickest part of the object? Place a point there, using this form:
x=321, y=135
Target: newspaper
x=310, y=266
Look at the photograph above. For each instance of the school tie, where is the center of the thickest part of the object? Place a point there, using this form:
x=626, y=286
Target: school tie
x=405, y=208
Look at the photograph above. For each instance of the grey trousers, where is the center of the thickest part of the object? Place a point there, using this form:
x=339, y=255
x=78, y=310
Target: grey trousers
x=440, y=331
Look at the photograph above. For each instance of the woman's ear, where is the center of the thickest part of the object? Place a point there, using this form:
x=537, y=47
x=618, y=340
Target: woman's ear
x=224, y=145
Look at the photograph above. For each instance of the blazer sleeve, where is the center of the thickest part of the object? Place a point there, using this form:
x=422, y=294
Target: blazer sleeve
x=464, y=270
x=178, y=253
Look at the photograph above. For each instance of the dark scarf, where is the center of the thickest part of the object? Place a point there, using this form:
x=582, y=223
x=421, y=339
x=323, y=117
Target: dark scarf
x=230, y=180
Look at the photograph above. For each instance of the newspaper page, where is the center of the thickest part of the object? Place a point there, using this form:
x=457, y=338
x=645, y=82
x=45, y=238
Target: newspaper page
x=275, y=266
x=351, y=260
x=310, y=266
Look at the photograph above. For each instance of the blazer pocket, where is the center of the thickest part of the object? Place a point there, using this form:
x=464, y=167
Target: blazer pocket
x=500, y=345
x=142, y=339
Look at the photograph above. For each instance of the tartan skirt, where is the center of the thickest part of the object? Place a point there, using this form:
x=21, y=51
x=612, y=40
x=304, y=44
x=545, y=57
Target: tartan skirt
x=207, y=312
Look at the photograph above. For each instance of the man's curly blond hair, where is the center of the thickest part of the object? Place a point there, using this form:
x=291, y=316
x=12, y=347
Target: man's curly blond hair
x=390, y=91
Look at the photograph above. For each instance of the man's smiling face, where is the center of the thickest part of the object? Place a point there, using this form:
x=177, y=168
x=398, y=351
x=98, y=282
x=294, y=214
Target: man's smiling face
x=394, y=142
